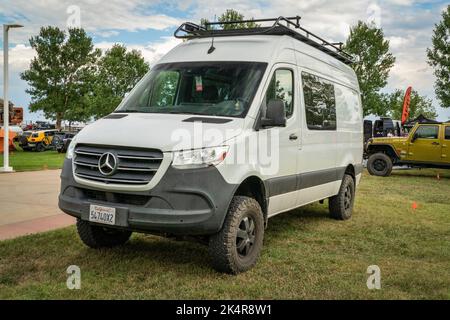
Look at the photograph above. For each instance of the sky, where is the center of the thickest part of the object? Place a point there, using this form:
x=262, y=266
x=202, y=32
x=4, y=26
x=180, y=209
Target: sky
x=148, y=25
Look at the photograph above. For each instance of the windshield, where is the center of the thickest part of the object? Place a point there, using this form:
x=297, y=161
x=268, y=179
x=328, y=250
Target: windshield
x=203, y=88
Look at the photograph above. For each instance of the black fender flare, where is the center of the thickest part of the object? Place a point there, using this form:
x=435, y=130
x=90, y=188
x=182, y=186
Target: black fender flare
x=385, y=148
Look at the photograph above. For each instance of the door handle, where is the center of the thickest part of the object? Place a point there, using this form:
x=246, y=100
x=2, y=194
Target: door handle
x=435, y=143
x=293, y=136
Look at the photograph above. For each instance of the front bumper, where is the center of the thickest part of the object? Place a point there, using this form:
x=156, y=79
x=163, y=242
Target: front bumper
x=184, y=202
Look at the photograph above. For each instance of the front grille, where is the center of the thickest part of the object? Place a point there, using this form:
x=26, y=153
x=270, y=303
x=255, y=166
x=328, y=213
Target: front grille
x=134, y=165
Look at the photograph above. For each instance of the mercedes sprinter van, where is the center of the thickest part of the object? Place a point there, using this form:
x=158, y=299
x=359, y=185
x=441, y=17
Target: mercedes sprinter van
x=228, y=129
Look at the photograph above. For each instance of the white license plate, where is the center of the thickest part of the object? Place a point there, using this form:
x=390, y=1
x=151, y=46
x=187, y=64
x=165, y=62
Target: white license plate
x=101, y=214
x=31, y=144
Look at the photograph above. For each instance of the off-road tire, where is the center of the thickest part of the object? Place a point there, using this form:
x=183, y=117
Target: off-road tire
x=223, y=246
x=379, y=164
x=101, y=237
x=40, y=147
x=341, y=205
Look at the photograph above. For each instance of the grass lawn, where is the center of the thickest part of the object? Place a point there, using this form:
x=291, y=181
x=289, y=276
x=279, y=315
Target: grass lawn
x=31, y=160
x=306, y=255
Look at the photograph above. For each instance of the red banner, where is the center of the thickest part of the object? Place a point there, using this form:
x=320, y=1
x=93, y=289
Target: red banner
x=406, y=101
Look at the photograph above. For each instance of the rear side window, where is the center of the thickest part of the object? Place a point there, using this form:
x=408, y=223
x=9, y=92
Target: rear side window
x=281, y=88
x=320, y=102
x=447, y=133
x=427, y=132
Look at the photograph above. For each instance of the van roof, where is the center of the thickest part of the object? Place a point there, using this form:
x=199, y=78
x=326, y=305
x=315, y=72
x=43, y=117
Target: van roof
x=189, y=30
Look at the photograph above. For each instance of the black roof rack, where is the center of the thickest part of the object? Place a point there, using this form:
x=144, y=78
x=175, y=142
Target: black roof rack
x=189, y=30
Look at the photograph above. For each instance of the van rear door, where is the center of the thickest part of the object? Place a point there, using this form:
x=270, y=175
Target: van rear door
x=317, y=159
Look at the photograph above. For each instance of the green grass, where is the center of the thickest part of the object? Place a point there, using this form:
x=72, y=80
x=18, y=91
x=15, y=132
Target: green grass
x=306, y=255
x=31, y=160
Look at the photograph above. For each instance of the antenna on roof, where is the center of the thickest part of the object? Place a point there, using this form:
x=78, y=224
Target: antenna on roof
x=212, y=48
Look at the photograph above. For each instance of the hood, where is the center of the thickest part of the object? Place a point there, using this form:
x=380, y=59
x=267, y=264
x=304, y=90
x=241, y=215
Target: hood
x=166, y=132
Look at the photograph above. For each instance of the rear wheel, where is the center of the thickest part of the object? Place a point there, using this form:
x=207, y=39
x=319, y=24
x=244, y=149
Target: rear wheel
x=379, y=164
x=98, y=237
x=40, y=147
x=237, y=246
x=341, y=205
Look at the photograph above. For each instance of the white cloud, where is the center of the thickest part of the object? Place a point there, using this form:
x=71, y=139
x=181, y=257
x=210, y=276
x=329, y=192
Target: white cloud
x=19, y=58
x=97, y=16
x=151, y=52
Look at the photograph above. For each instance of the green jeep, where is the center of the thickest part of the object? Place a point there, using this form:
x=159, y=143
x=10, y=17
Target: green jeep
x=427, y=146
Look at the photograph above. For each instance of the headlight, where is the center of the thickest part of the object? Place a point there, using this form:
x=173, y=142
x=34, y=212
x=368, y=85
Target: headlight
x=199, y=158
x=71, y=148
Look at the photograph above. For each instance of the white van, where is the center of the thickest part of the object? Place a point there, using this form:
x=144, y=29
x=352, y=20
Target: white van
x=228, y=129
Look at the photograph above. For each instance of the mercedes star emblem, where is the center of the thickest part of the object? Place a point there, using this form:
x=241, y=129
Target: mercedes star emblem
x=107, y=164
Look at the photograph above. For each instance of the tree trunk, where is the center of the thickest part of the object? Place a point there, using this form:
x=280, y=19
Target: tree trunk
x=58, y=120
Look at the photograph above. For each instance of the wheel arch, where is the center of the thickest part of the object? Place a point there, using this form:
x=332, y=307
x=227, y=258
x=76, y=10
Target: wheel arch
x=254, y=187
x=350, y=170
x=384, y=148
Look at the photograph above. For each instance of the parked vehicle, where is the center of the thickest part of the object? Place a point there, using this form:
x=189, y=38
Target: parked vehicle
x=129, y=172
x=427, y=146
x=44, y=125
x=39, y=141
x=61, y=141
x=23, y=139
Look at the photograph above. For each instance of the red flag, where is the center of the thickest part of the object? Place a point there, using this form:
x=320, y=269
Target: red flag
x=406, y=101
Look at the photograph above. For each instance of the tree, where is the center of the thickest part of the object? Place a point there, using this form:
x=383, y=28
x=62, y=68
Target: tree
x=117, y=73
x=392, y=104
x=58, y=75
x=232, y=15
x=439, y=58
x=373, y=63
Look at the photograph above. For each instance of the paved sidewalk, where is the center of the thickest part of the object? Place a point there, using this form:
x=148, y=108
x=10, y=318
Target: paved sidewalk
x=29, y=203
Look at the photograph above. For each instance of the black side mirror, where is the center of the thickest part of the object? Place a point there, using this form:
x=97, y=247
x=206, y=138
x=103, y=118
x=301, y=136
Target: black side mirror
x=275, y=114
x=414, y=137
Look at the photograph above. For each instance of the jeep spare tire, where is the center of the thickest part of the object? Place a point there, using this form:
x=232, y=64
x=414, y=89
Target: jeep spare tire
x=379, y=164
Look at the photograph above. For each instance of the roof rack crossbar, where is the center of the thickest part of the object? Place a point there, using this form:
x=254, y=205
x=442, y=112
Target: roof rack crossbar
x=288, y=19
x=191, y=31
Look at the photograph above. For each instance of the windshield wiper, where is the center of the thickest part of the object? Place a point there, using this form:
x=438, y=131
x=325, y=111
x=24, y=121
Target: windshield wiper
x=129, y=111
x=189, y=112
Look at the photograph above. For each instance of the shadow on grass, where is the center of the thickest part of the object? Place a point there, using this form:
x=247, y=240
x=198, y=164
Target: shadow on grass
x=191, y=256
x=416, y=173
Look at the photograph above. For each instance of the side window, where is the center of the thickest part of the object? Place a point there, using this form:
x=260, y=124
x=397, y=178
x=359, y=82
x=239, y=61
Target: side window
x=320, y=103
x=427, y=132
x=447, y=133
x=281, y=88
x=165, y=89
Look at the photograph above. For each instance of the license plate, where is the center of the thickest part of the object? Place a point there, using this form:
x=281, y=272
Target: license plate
x=101, y=214
x=31, y=144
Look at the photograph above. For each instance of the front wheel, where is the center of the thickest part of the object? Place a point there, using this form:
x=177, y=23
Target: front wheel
x=379, y=164
x=98, y=237
x=237, y=246
x=341, y=205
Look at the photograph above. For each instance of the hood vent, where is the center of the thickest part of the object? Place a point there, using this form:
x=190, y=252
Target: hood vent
x=207, y=120
x=115, y=116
